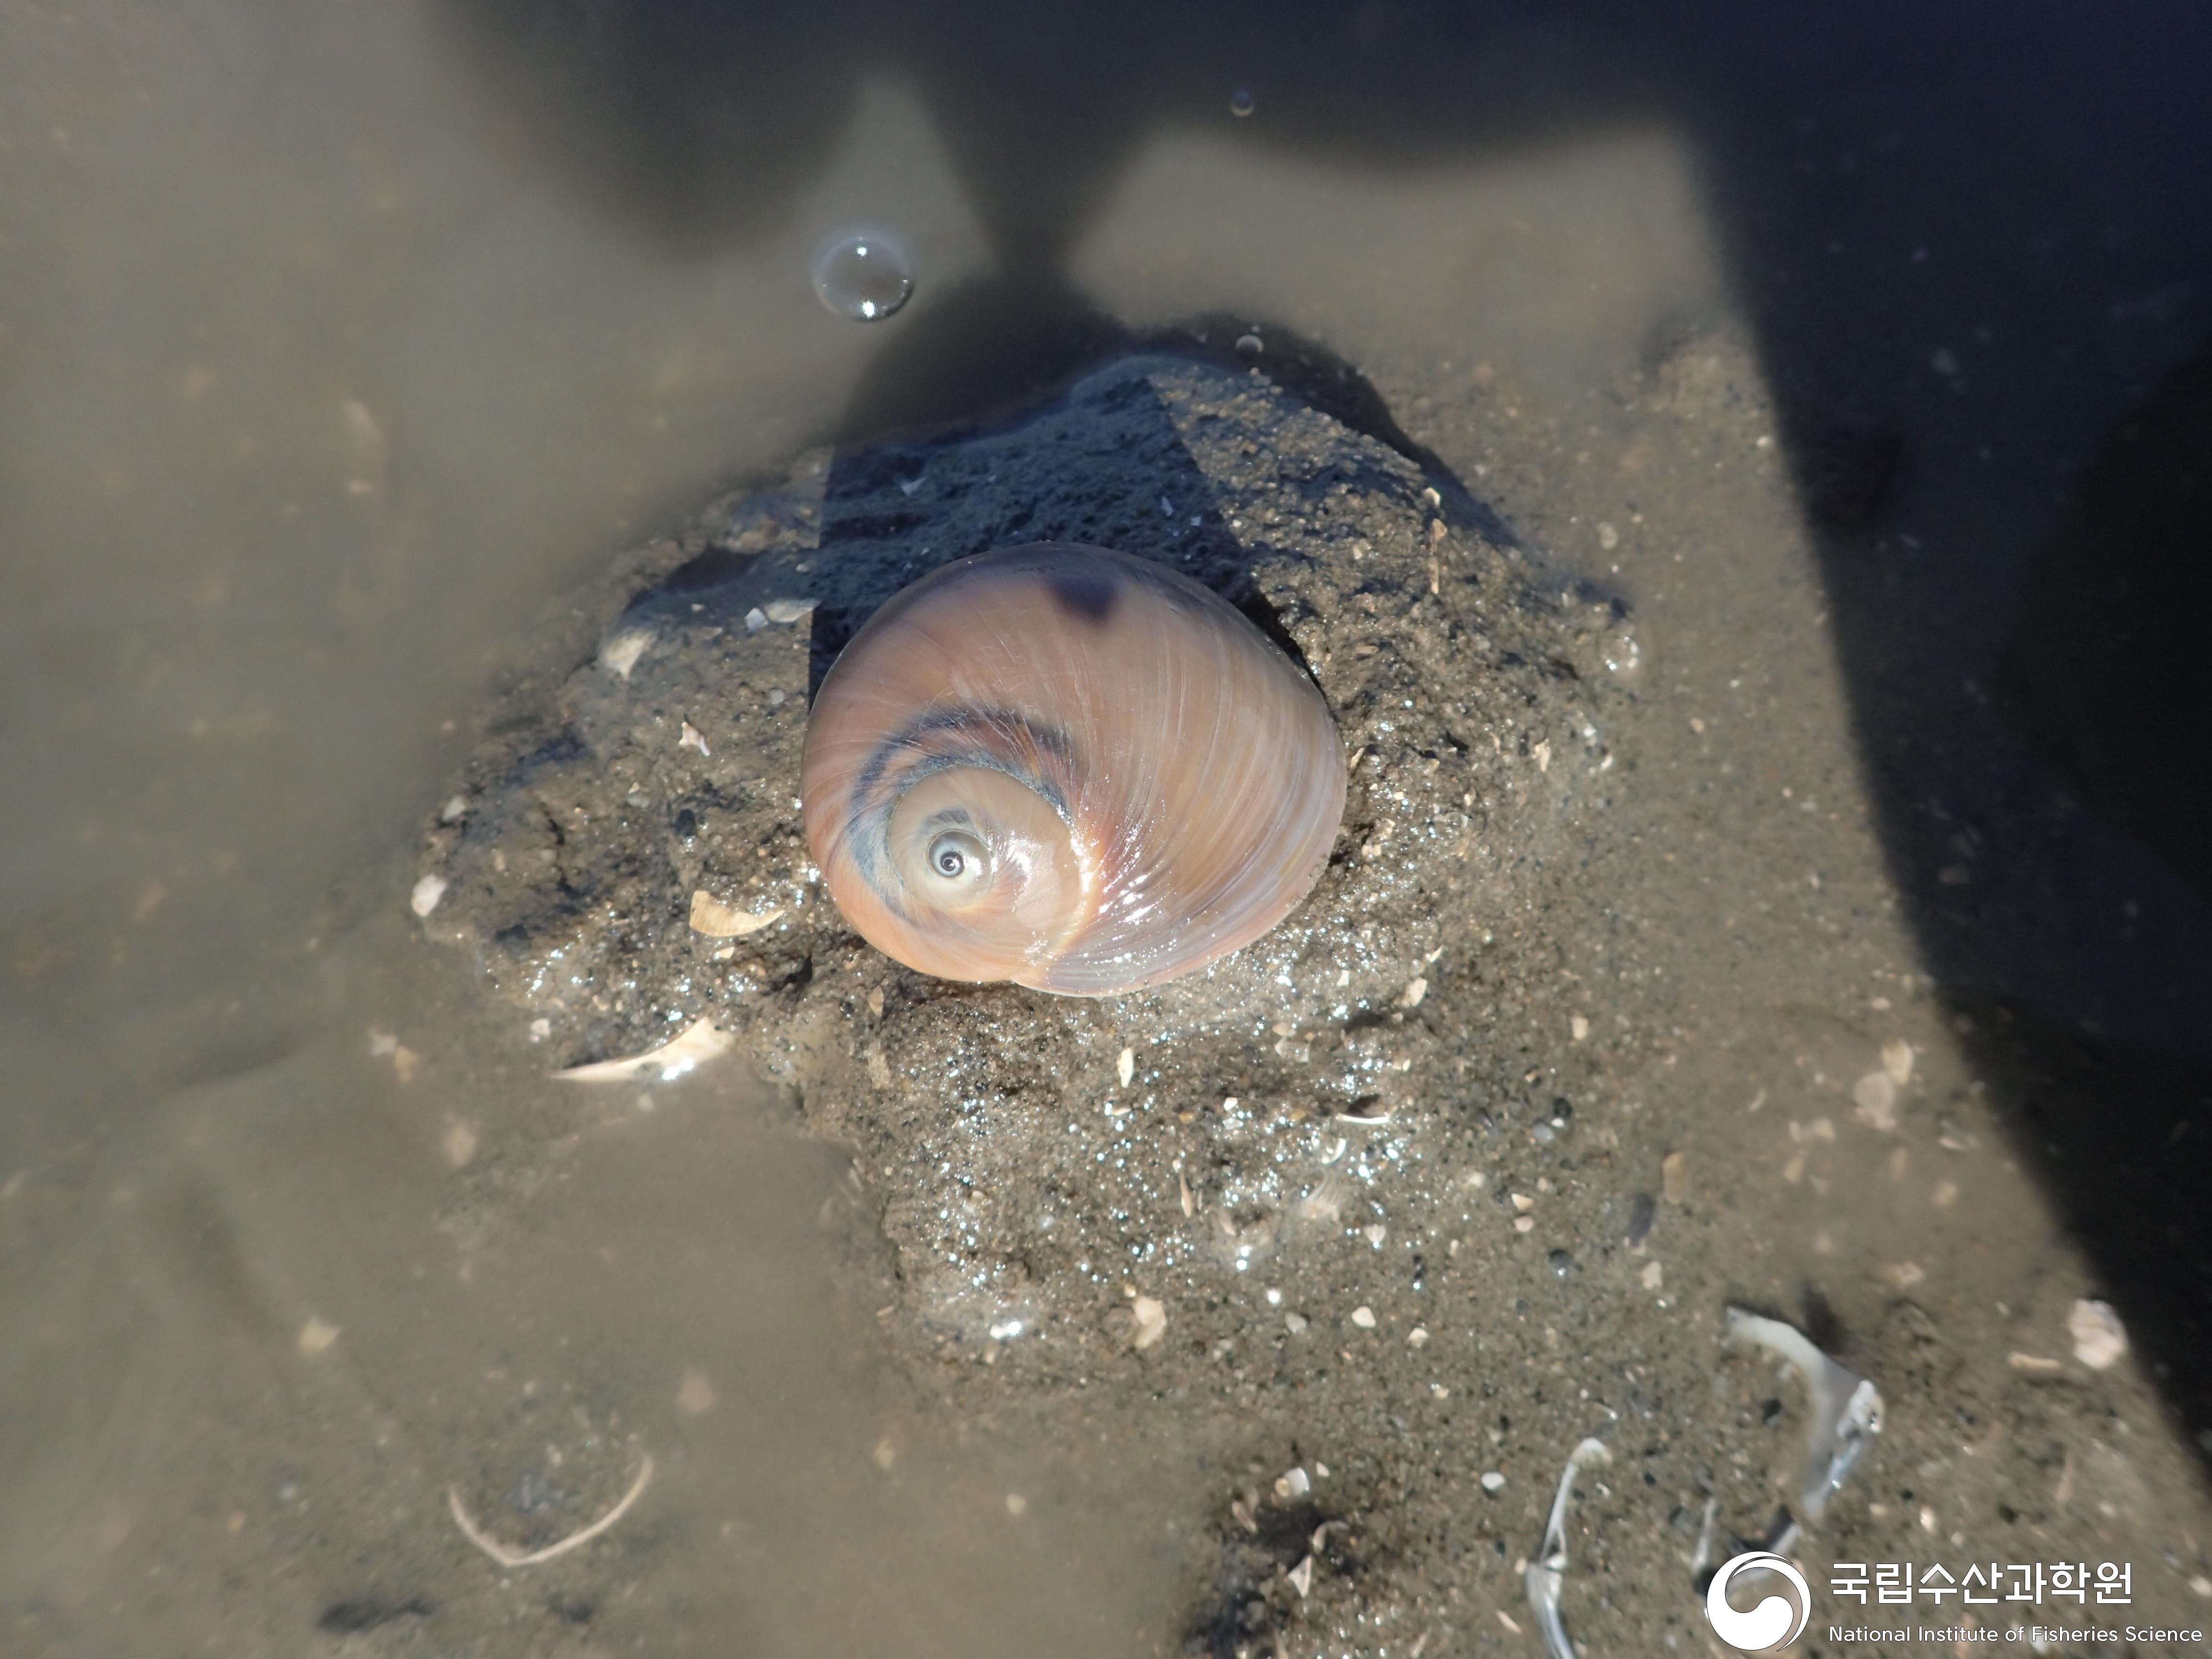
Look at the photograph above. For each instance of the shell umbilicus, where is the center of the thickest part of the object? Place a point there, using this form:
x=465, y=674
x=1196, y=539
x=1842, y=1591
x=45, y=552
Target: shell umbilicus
x=1069, y=768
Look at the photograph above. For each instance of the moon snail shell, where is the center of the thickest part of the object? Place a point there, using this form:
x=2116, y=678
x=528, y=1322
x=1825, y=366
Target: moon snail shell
x=1070, y=768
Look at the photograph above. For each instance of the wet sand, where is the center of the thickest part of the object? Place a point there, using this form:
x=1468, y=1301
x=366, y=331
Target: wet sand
x=330, y=405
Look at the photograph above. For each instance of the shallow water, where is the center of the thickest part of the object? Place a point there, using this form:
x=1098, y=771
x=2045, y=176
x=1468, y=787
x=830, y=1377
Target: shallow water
x=342, y=346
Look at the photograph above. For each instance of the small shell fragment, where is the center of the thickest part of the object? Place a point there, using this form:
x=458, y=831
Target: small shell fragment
x=1151, y=1321
x=1874, y=1097
x=1125, y=1068
x=1675, y=1178
x=1292, y=1485
x=1843, y=1409
x=1546, y=1576
x=1301, y=1577
x=789, y=610
x=427, y=891
x=621, y=651
x=697, y=1042
x=716, y=919
x=368, y=450
x=2099, y=1338
x=1364, y=1316
x=1897, y=1061
x=695, y=1394
x=316, y=1335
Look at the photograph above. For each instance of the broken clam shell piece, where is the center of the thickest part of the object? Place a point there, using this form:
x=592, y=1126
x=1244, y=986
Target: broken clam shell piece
x=619, y=652
x=2099, y=1338
x=1843, y=1409
x=1548, y=1573
x=716, y=919
x=686, y=1051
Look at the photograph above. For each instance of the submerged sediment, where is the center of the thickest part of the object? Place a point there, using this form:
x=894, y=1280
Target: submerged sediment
x=1206, y=1193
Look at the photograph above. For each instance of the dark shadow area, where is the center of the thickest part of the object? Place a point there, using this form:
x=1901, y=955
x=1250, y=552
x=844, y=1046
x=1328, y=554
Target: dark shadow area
x=1963, y=239
x=992, y=349
x=2124, y=1134
x=2108, y=670
x=1972, y=241
x=1038, y=491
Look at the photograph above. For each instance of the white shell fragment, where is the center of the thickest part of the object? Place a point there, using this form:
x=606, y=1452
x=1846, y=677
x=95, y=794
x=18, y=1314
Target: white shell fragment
x=1897, y=1061
x=1873, y=1098
x=368, y=451
x=508, y=1557
x=1547, y=1574
x=1290, y=1488
x=716, y=919
x=1843, y=1409
x=427, y=891
x=695, y=1045
x=619, y=653
x=1151, y=1321
x=787, y=611
x=2099, y=1338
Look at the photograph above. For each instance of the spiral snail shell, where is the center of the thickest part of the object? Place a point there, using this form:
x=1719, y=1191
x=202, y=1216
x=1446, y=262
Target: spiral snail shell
x=1070, y=768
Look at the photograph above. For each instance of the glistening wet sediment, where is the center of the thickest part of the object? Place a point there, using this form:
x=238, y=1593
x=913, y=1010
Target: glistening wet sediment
x=1376, y=1208
x=250, y=610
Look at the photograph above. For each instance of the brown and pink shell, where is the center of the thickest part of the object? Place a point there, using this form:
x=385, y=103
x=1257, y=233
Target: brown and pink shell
x=1069, y=768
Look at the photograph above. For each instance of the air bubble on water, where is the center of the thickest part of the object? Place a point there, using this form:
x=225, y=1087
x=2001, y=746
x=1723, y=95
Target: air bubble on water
x=864, y=275
x=1240, y=102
